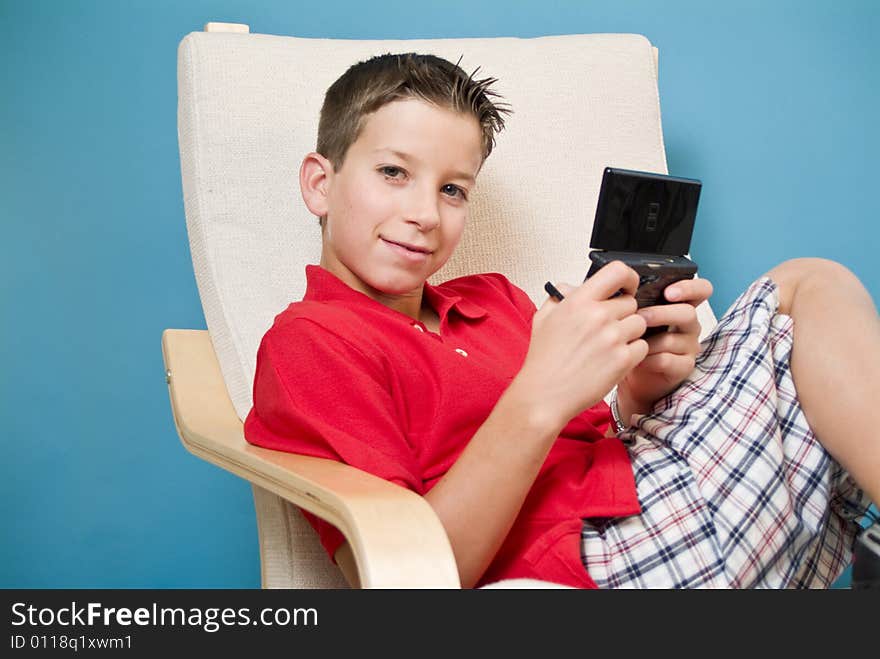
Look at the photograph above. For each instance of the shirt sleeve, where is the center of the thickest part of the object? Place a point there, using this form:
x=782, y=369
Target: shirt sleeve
x=317, y=394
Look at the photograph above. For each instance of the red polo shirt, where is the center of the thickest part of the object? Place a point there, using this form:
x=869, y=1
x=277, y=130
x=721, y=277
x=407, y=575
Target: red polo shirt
x=344, y=377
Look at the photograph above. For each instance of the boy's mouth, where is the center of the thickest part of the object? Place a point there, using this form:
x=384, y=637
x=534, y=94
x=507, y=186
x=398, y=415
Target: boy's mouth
x=412, y=248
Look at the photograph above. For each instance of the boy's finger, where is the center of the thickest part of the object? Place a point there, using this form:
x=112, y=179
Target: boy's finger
x=631, y=326
x=682, y=315
x=692, y=291
x=666, y=363
x=609, y=280
x=637, y=350
x=619, y=307
x=677, y=344
x=565, y=289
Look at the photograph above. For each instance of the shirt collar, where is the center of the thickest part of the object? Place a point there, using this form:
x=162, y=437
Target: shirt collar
x=443, y=300
x=323, y=286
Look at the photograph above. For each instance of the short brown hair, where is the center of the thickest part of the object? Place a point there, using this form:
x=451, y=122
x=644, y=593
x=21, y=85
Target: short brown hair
x=367, y=86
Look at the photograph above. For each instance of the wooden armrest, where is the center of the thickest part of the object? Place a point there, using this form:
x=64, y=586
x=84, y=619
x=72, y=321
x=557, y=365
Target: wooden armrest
x=396, y=538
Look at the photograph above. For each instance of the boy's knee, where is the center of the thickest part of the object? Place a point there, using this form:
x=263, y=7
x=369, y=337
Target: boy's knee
x=793, y=274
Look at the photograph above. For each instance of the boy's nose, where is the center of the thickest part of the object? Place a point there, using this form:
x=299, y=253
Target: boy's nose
x=423, y=212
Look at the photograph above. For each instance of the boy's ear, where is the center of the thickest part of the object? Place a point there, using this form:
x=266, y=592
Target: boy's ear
x=315, y=176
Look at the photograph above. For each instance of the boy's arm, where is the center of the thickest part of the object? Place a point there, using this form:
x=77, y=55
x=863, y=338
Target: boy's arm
x=478, y=499
x=578, y=350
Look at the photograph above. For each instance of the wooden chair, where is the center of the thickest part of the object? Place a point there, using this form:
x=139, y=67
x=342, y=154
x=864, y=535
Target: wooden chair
x=248, y=112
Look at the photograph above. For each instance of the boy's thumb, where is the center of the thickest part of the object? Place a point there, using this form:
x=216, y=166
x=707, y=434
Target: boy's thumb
x=565, y=289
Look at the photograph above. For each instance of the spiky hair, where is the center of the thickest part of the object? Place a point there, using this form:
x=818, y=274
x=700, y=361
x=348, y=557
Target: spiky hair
x=367, y=86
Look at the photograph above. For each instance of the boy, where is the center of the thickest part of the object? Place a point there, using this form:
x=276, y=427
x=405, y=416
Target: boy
x=493, y=410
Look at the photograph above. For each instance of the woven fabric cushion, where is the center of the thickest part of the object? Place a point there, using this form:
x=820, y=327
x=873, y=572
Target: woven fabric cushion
x=248, y=113
x=290, y=554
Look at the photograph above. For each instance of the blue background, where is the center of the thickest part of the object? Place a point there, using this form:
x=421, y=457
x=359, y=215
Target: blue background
x=772, y=104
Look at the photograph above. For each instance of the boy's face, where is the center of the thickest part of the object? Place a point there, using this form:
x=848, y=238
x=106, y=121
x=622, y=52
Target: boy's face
x=394, y=219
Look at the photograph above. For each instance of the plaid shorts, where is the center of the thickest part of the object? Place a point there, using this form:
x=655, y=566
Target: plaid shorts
x=735, y=489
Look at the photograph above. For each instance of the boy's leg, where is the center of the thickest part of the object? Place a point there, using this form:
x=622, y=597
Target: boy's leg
x=836, y=361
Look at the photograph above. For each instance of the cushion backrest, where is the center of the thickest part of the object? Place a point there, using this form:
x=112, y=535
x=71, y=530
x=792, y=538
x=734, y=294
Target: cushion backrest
x=248, y=112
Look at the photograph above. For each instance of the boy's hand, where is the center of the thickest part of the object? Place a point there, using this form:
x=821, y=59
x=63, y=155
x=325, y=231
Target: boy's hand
x=671, y=354
x=582, y=346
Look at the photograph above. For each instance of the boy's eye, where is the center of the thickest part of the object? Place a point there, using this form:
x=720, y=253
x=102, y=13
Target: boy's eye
x=455, y=189
x=390, y=171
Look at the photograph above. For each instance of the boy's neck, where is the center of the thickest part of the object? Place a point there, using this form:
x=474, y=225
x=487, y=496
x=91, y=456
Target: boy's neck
x=429, y=316
x=415, y=305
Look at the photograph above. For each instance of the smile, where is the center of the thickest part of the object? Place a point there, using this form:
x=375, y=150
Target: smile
x=410, y=252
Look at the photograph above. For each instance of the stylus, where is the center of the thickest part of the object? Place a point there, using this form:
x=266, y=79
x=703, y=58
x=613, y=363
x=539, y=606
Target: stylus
x=552, y=292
